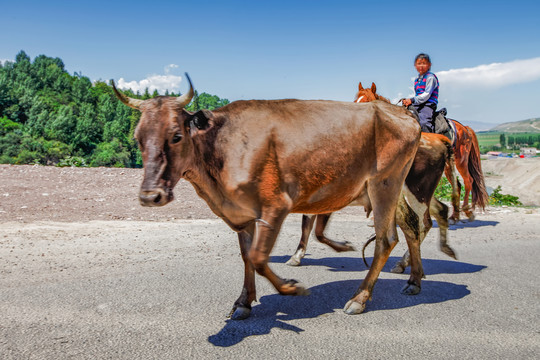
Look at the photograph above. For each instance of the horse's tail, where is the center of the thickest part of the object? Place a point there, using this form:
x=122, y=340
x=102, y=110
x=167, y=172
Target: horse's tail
x=479, y=194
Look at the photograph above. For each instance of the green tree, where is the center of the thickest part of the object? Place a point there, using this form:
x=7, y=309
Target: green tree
x=48, y=116
x=62, y=127
x=88, y=131
x=110, y=154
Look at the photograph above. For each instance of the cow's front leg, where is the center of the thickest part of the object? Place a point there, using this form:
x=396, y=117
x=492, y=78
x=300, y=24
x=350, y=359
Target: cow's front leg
x=242, y=307
x=267, y=230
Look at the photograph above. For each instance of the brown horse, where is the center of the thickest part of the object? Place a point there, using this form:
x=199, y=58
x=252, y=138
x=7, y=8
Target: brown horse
x=467, y=160
x=433, y=156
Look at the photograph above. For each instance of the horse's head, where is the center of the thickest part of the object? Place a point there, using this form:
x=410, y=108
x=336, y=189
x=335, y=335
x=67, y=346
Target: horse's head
x=369, y=94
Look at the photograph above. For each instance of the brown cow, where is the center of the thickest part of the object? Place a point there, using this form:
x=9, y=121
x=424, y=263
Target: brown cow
x=434, y=156
x=254, y=162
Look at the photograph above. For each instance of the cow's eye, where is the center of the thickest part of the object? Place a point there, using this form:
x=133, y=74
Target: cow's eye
x=176, y=138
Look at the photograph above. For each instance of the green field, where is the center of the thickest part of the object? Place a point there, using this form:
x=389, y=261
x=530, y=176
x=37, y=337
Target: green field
x=491, y=140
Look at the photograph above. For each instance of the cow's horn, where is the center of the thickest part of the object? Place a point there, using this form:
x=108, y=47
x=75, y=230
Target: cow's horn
x=134, y=103
x=185, y=99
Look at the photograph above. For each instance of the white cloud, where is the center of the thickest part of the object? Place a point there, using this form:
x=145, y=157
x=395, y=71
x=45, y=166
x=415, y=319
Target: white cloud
x=3, y=61
x=169, y=68
x=161, y=83
x=493, y=75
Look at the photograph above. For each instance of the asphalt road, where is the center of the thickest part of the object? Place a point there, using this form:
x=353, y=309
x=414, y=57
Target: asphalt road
x=151, y=290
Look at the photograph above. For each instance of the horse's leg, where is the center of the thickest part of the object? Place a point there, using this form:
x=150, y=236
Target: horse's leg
x=320, y=226
x=415, y=222
x=242, y=306
x=382, y=193
x=440, y=212
x=462, y=164
x=467, y=209
x=450, y=173
x=307, y=225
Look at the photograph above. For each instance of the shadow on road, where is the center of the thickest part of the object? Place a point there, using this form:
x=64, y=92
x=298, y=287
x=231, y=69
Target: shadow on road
x=274, y=310
x=431, y=266
x=465, y=224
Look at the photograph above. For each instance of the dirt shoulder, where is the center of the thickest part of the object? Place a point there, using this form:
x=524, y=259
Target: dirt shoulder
x=40, y=193
x=36, y=193
x=519, y=177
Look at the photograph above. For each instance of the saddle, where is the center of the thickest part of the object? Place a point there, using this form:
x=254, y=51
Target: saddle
x=443, y=125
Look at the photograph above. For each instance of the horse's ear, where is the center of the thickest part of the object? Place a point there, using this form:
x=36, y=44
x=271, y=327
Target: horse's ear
x=373, y=88
x=360, y=86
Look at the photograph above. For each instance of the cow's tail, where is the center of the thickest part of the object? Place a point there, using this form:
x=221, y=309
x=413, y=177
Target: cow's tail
x=479, y=194
x=373, y=237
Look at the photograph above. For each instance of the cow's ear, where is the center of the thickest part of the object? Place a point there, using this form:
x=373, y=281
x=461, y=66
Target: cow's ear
x=199, y=121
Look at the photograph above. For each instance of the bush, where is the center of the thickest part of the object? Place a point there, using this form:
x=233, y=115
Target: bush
x=73, y=161
x=444, y=190
x=28, y=157
x=496, y=198
x=7, y=126
x=110, y=154
x=54, y=151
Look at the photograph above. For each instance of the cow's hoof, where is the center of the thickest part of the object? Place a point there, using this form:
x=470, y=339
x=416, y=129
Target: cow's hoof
x=240, y=313
x=293, y=262
x=448, y=251
x=410, y=289
x=353, y=308
x=398, y=269
x=301, y=290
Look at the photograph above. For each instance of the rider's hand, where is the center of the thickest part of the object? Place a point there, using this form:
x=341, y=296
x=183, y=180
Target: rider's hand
x=406, y=102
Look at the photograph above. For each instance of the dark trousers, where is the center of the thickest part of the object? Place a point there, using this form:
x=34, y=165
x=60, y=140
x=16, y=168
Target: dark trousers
x=425, y=114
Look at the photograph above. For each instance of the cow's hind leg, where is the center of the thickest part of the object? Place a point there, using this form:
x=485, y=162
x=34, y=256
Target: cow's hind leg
x=320, y=226
x=242, y=306
x=307, y=226
x=383, y=194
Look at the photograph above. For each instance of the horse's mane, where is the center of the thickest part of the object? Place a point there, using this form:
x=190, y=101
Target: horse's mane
x=380, y=97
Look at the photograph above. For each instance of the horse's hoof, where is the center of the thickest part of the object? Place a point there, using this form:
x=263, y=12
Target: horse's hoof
x=294, y=288
x=410, y=289
x=448, y=251
x=353, y=308
x=347, y=246
x=293, y=262
x=452, y=221
x=398, y=269
x=240, y=313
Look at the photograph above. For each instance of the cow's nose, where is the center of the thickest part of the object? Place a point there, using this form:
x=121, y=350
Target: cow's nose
x=156, y=197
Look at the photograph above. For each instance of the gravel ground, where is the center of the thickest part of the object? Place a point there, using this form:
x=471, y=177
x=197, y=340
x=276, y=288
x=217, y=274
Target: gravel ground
x=87, y=273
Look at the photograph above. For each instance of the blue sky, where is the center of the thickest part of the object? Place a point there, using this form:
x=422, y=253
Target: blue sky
x=486, y=53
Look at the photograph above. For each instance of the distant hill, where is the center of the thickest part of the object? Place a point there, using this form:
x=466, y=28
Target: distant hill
x=529, y=125
x=479, y=126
